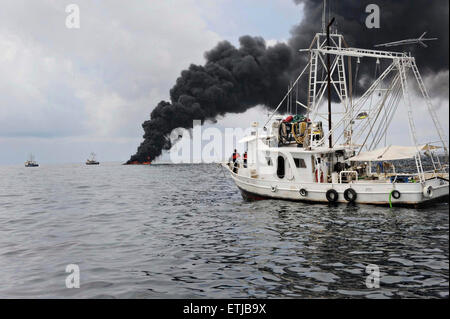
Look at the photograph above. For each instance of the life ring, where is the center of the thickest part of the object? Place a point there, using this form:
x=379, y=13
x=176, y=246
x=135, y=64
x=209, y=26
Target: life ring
x=428, y=191
x=396, y=194
x=273, y=189
x=303, y=192
x=332, y=195
x=350, y=195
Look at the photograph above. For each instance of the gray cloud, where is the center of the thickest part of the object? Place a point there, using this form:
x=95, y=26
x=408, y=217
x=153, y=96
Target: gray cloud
x=97, y=80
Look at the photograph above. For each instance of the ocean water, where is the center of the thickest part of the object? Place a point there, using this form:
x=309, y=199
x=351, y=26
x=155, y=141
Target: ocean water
x=184, y=231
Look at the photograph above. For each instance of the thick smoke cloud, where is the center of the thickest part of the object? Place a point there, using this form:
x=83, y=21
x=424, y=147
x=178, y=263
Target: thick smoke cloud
x=231, y=81
x=399, y=20
x=236, y=79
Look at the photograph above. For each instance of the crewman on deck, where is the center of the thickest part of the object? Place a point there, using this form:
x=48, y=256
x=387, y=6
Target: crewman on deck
x=245, y=159
x=235, y=157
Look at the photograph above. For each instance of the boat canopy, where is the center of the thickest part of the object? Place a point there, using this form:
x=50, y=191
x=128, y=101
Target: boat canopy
x=391, y=153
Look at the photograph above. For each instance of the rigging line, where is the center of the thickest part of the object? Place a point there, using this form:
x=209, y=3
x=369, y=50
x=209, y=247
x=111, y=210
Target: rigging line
x=389, y=113
x=355, y=128
x=391, y=117
x=281, y=103
x=358, y=62
x=341, y=122
x=373, y=87
x=375, y=76
x=352, y=119
x=392, y=107
x=397, y=102
x=287, y=100
x=368, y=92
x=381, y=126
x=368, y=123
x=291, y=97
x=361, y=123
x=379, y=111
x=385, y=114
x=365, y=127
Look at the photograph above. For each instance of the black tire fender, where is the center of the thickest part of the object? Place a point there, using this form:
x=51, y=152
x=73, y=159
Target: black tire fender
x=428, y=191
x=332, y=195
x=303, y=192
x=396, y=194
x=350, y=195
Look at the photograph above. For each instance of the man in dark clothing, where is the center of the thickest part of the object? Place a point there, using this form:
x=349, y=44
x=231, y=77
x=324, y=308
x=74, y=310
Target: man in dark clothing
x=235, y=157
x=245, y=159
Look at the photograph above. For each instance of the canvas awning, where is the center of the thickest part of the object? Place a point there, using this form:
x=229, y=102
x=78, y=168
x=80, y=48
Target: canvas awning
x=390, y=153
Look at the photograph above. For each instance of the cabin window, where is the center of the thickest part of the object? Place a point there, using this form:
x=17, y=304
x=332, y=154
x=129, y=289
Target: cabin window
x=269, y=161
x=299, y=162
x=280, y=167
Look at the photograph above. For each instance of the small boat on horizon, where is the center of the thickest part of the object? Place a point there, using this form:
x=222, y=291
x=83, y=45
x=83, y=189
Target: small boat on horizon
x=92, y=160
x=31, y=162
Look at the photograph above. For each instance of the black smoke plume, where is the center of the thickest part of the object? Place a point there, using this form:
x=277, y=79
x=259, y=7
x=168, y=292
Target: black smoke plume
x=236, y=79
x=231, y=81
x=399, y=20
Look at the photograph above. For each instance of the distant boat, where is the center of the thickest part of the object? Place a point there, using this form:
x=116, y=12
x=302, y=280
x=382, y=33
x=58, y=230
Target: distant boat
x=92, y=160
x=31, y=162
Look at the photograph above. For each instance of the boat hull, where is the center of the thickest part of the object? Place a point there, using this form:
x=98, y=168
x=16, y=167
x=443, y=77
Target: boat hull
x=248, y=196
x=411, y=194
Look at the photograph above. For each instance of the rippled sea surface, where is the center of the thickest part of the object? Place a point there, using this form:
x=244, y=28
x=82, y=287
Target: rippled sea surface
x=184, y=231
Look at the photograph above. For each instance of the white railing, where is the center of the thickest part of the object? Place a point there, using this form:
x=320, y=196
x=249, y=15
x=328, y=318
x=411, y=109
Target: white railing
x=347, y=173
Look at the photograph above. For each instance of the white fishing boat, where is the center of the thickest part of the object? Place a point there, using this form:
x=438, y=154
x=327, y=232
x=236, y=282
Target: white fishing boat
x=91, y=160
x=344, y=154
x=31, y=162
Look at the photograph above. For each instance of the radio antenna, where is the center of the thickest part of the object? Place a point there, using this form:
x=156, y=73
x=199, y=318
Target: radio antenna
x=420, y=40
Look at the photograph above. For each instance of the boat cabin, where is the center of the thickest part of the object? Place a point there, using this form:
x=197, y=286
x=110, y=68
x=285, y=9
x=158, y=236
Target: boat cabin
x=292, y=160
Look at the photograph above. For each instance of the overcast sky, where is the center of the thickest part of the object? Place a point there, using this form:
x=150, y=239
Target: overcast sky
x=67, y=92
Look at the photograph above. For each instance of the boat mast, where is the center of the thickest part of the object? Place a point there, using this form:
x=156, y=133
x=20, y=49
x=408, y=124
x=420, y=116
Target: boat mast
x=323, y=16
x=330, y=139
